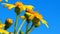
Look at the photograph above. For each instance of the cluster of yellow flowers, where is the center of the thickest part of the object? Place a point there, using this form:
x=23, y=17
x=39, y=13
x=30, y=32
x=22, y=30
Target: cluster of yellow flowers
x=4, y=27
x=30, y=15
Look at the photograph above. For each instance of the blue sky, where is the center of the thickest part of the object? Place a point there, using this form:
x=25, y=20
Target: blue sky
x=50, y=9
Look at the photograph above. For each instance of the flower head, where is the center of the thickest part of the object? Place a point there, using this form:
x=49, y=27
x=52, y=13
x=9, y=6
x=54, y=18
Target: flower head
x=8, y=23
x=36, y=19
x=37, y=15
x=20, y=5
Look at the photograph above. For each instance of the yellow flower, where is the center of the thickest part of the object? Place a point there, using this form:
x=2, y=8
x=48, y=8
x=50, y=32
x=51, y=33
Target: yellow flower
x=8, y=23
x=20, y=5
x=37, y=15
x=2, y=25
x=3, y=31
x=17, y=4
x=36, y=19
x=44, y=22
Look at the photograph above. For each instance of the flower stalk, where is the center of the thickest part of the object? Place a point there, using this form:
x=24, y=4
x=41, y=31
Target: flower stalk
x=29, y=30
x=16, y=23
x=21, y=26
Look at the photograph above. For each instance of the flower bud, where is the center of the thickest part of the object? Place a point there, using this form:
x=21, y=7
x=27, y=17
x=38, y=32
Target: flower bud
x=8, y=23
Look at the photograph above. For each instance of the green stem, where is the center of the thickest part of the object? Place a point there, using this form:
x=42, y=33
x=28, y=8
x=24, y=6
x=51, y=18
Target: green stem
x=16, y=23
x=27, y=27
x=28, y=31
x=21, y=26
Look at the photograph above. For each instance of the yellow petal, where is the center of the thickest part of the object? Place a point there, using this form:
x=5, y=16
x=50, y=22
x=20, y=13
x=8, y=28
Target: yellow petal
x=18, y=4
x=10, y=6
x=22, y=7
x=28, y=13
x=2, y=25
x=44, y=22
x=3, y=31
x=29, y=6
x=23, y=17
x=39, y=16
x=31, y=17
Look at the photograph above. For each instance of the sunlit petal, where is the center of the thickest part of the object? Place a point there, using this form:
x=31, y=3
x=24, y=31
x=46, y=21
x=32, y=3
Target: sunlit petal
x=44, y=22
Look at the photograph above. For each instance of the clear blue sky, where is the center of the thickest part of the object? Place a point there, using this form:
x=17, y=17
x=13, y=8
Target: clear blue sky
x=50, y=9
